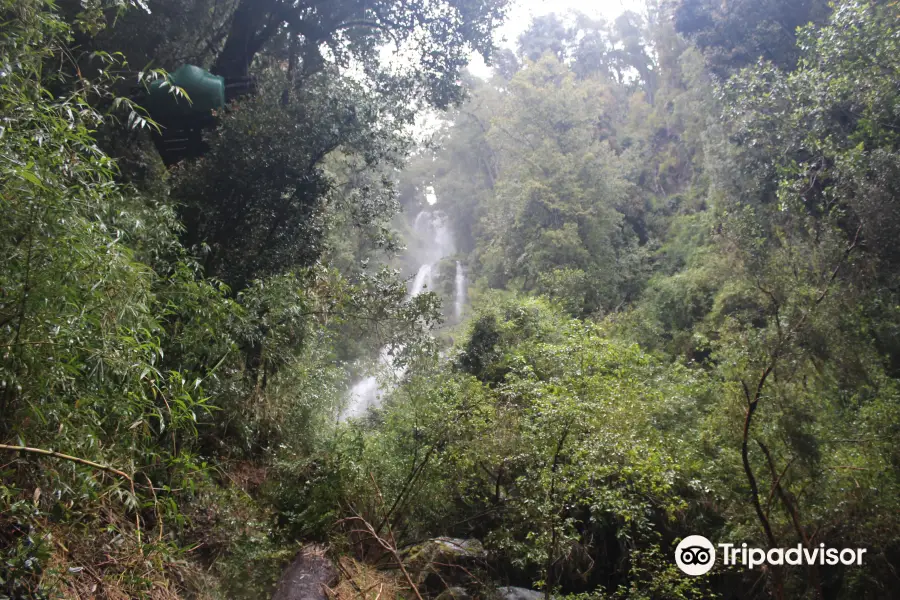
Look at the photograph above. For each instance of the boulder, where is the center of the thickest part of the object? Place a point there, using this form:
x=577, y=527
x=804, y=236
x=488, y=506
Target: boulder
x=459, y=548
x=445, y=550
x=517, y=593
x=306, y=576
x=444, y=561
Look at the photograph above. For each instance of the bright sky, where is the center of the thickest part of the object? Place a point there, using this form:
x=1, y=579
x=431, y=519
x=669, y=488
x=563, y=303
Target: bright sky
x=522, y=11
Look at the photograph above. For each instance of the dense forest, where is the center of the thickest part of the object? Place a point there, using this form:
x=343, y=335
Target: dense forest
x=293, y=305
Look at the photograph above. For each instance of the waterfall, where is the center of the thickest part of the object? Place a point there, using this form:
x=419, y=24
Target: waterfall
x=420, y=218
x=460, y=298
x=422, y=280
x=363, y=394
x=366, y=392
x=433, y=242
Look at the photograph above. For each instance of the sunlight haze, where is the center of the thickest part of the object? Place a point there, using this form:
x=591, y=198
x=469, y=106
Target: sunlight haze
x=521, y=12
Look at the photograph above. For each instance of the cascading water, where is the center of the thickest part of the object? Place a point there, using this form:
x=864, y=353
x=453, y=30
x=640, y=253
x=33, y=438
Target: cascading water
x=422, y=280
x=460, y=296
x=365, y=392
x=433, y=242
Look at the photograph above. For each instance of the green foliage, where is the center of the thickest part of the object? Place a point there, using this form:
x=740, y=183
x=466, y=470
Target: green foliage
x=740, y=228
x=683, y=288
x=266, y=209
x=744, y=32
x=546, y=442
x=83, y=316
x=142, y=376
x=559, y=198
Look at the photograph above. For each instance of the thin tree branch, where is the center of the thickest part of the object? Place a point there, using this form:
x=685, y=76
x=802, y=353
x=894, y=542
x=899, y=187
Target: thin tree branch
x=391, y=550
x=75, y=459
x=93, y=465
x=791, y=508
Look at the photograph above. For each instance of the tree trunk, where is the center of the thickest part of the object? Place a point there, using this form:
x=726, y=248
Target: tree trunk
x=253, y=24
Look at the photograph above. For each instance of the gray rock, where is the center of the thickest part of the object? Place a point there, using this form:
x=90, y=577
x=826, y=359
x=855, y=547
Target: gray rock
x=444, y=561
x=306, y=576
x=517, y=593
x=445, y=550
x=460, y=548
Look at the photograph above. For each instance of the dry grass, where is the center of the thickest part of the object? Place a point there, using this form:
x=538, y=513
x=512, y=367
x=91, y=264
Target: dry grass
x=95, y=567
x=359, y=581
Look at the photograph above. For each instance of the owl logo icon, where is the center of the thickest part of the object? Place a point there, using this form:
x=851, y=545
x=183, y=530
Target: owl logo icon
x=695, y=555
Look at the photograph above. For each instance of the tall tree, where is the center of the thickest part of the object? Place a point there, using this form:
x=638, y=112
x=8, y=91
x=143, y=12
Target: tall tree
x=738, y=33
x=439, y=35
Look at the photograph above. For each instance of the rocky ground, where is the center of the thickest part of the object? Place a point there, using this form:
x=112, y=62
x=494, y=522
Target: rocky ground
x=442, y=568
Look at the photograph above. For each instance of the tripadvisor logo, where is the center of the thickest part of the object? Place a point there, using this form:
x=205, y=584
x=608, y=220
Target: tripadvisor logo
x=696, y=555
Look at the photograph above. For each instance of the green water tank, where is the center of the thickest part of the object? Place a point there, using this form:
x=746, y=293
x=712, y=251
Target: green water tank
x=206, y=91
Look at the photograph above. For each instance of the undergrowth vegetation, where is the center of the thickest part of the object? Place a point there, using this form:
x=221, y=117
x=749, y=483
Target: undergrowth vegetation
x=681, y=277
